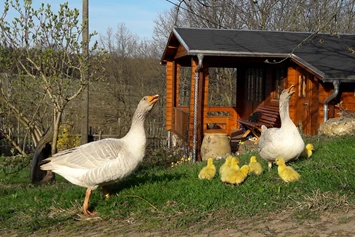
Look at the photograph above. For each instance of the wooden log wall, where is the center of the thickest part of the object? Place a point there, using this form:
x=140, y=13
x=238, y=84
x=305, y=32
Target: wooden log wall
x=347, y=97
x=292, y=79
x=314, y=109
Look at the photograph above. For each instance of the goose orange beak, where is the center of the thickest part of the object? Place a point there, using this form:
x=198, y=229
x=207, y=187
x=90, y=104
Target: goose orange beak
x=153, y=99
x=290, y=90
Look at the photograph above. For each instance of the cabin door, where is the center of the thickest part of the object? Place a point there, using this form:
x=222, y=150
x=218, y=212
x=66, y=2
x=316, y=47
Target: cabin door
x=254, y=89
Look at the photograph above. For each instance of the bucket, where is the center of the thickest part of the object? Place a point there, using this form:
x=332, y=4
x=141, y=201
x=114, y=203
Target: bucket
x=215, y=145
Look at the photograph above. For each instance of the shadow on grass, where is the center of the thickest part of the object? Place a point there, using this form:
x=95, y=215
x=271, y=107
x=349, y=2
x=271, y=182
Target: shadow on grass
x=140, y=178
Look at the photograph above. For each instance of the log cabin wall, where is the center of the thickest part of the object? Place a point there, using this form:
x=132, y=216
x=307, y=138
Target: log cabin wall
x=292, y=79
x=305, y=103
x=347, y=97
x=314, y=105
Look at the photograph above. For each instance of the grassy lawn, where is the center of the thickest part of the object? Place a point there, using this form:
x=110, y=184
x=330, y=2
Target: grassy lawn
x=158, y=196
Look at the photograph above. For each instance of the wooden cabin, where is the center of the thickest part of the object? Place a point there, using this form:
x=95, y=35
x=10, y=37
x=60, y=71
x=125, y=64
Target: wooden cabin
x=320, y=66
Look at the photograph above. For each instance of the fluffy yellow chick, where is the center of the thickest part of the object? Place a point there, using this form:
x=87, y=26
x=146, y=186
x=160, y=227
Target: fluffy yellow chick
x=242, y=174
x=308, y=150
x=225, y=165
x=286, y=173
x=235, y=175
x=209, y=171
x=254, y=166
x=234, y=163
x=230, y=167
x=227, y=171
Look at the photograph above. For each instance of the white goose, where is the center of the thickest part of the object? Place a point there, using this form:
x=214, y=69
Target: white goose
x=285, y=141
x=105, y=161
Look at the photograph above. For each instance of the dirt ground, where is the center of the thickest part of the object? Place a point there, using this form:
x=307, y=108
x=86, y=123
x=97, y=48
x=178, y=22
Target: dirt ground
x=329, y=224
x=341, y=223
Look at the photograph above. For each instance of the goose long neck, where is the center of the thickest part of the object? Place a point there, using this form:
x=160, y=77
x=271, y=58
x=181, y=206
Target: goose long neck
x=137, y=126
x=284, y=111
x=138, y=120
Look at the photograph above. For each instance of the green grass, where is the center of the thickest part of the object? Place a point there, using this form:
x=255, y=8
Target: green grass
x=159, y=197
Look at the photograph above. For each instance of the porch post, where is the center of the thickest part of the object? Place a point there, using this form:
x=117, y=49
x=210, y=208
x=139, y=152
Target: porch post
x=196, y=109
x=169, y=95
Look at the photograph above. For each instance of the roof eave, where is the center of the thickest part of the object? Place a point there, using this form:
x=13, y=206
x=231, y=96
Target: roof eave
x=340, y=79
x=237, y=54
x=181, y=41
x=300, y=61
x=305, y=64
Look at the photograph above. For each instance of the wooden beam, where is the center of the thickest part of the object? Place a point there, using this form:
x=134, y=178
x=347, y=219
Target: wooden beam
x=169, y=96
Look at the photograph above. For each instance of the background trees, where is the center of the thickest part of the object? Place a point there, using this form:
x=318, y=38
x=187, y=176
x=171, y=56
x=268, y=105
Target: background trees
x=132, y=71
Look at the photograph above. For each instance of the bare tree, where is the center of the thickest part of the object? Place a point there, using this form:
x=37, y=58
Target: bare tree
x=298, y=15
x=21, y=108
x=133, y=71
x=45, y=49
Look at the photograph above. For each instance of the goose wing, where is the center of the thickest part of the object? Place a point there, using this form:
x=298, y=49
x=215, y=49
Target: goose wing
x=268, y=137
x=88, y=156
x=271, y=143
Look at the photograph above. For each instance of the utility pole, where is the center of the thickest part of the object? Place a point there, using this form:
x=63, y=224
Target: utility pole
x=85, y=51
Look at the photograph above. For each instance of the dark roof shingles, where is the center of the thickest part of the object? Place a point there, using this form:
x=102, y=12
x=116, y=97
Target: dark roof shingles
x=328, y=53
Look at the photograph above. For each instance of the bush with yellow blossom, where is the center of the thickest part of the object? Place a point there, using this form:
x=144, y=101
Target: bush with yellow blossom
x=66, y=139
x=180, y=162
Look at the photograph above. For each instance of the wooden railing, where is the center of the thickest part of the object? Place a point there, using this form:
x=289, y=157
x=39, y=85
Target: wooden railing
x=219, y=120
x=216, y=120
x=181, y=121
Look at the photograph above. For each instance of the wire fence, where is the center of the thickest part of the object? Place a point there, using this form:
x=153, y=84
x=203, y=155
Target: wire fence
x=156, y=138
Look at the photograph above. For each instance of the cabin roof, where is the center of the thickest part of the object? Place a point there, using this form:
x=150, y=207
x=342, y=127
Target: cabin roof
x=330, y=56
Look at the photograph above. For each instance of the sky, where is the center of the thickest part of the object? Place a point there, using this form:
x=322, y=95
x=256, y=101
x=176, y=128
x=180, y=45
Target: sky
x=137, y=15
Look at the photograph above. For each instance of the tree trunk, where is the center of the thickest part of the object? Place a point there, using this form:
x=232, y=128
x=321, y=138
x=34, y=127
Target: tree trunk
x=56, y=123
x=43, y=151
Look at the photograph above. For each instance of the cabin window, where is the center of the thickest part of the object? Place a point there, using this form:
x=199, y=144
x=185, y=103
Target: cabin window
x=255, y=82
x=302, y=86
x=222, y=87
x=279, y=75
